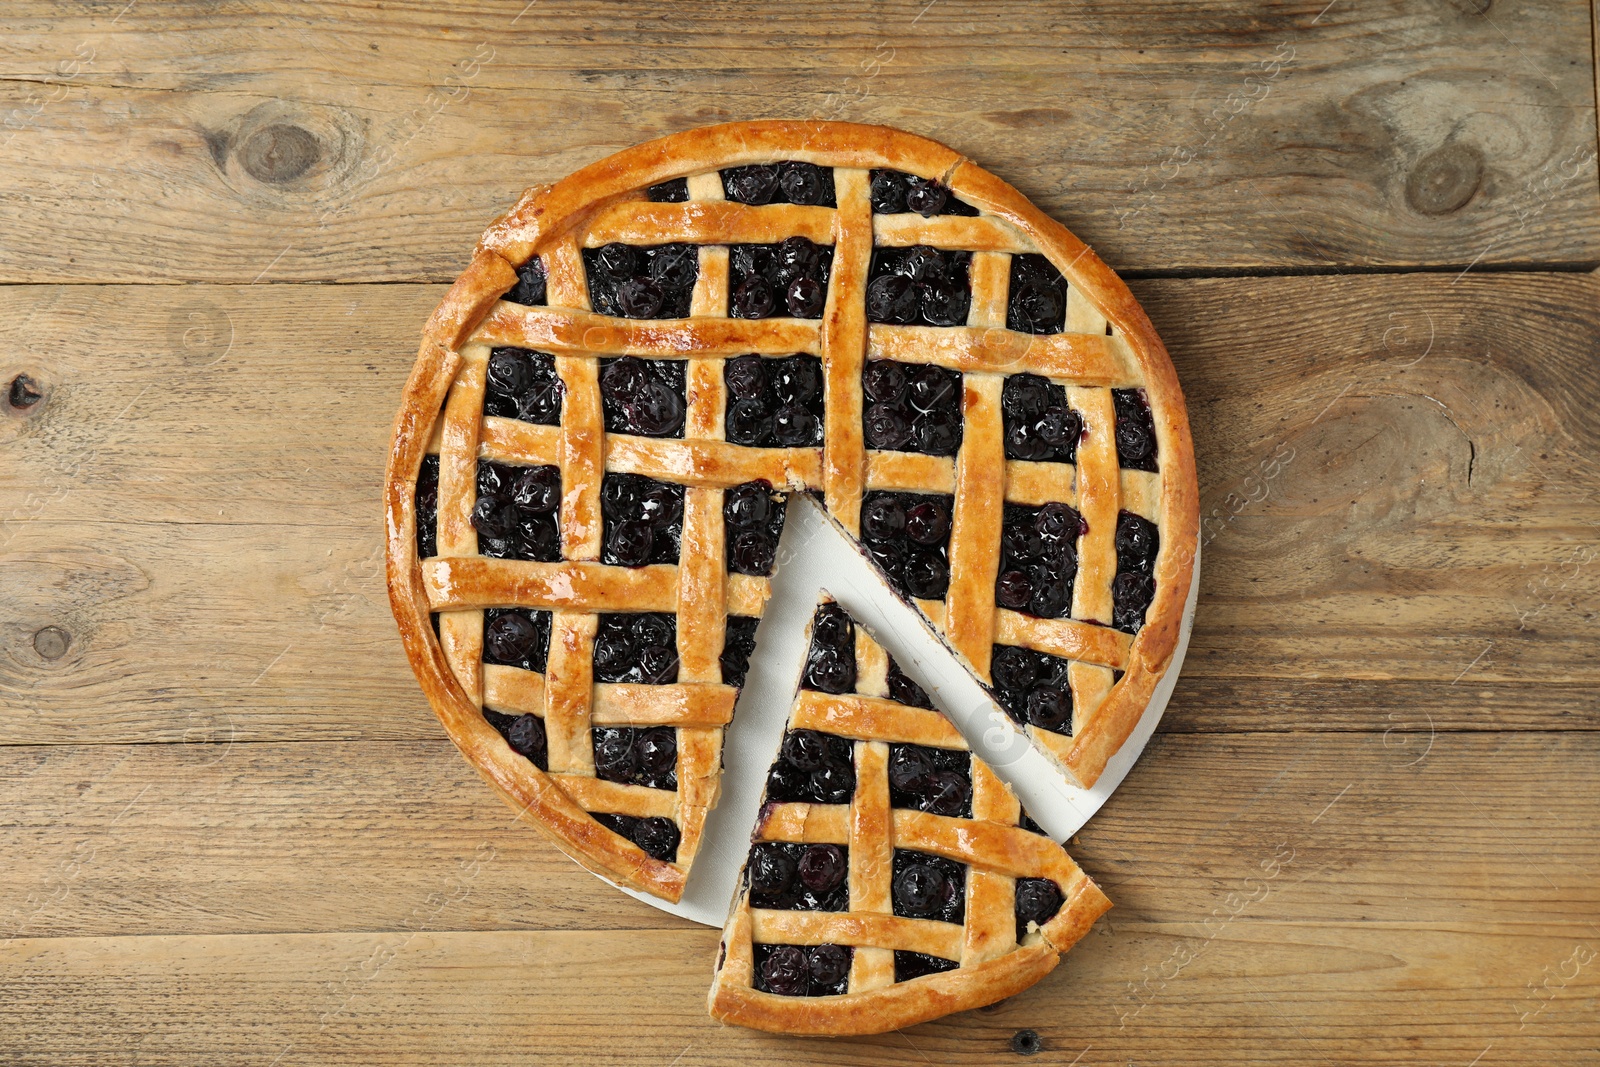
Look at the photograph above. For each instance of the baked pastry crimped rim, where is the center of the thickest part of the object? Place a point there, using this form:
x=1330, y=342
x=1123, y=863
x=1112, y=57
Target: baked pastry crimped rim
x=604, y=202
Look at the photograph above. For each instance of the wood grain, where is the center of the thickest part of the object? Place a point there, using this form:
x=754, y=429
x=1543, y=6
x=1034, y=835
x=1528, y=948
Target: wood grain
x=364, y=142
x=1398, y=477
x=218, y=838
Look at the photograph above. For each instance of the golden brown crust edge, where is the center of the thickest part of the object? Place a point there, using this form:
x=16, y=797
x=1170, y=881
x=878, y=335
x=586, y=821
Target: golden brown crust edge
x=545, y=212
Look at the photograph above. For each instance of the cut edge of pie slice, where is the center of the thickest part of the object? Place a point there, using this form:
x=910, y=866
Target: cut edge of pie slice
x=1105, y=343
x=875, y=809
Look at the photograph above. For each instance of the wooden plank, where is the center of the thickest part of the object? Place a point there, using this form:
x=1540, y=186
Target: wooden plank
x=373, y=142
x=1261, y=993
x=324, y=837
x=1397, y=476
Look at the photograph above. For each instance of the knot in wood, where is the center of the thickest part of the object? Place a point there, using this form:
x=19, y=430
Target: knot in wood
x=1445, y=179
x=279, y=153
x=1026, y=1043
x=52, y=642
x=23, y=393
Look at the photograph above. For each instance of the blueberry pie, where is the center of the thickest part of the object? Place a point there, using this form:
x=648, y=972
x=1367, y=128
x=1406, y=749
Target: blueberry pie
x=892, y=878
x=589, y=468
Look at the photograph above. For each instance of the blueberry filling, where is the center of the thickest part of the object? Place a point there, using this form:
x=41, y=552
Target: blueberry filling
x=517, y=511
x=831, y=659
x=919, y=285
x=1036, y=299
x=671, y=191
x=632, y=755
x=911, y=407
x=896, y=192
x=657, y=836
x=530, y=287
x=522, y=384
x=904, y=690
x=1033, y=687
x=525, y=735
x=637, y=649
x=788, y=279
x=642, y=520
x=908, y=537
x=427, y=508
x=1038, y=559
x=752, y=519
x=789, y=182
x=935, y=780
x=802, y=970
x=643, y=396
x=642, y=283
x=1038, y=423
x=795, y=877
x=774, y=402
x=1025, y=821
x=738, y=642
x=1136, y=430
x=909, y=965
x=1037, y=901
x=516, y=637
x=813, y=768
x=1138, y=543
x=929, y=887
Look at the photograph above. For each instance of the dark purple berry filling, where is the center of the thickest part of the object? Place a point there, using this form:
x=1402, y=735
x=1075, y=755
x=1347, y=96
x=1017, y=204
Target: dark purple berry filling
x=1038, y=559
x=935, y=780
x=641, y=519
x=516, y=637
x=752, y=519
x=802, y=970
x=644, y=397
x=788, y=280
x=633, y=755
x=517, y=512
x=738, y=642
x=774, y=403
x=1037, y=901
x=831, y=659
x=1138, y=543
x=1033, y=687
x=904, y=690
x=919, y=285
x=908, y=537
x=896, y=192
x=1025, y=821
x=813, y=768
x=525, y=735
x=909, y=965
x=929, y=887
x=793, y=877
x=1131, y=594
x=1036, y=300
x=1136, y=430
x=523, y=384
x=638, y=649
x=427, y=508
x=658, y=837
x=530, y=287
x=1038, y=423
x=911, y=407
x=789, y=182
x=671, y=191
x=642, y=283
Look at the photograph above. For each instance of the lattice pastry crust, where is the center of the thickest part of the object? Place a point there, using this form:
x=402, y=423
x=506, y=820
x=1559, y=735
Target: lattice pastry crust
x=991, y=951
x=1103, y=343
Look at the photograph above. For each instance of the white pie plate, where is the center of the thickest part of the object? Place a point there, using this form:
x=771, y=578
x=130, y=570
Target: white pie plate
x=814, y=556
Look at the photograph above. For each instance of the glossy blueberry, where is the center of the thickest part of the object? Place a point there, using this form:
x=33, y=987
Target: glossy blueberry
x=738, y=642
x=658, y=837
x=1138, y=542
x=641, y=520
x=1038, y=559
x=908, y=537
x=753, y=185
x=1038, y=424
x=928, y=887
x=427, y=507
x=935, y=780
x=516, y=637
x=522, y=384
x=830, y=969
x=903, y=689
x=892, y=299
x=884, y=381
x=894, y=192
x=1037, y=902
x=910, y=965
x=1037, y=296
x=789, y=876
x=771, y=870
x=672, y=191
x=624, y=651
x=639, y=282
x=790, y=278
x=806, y=183
x=513, y=519
x=753, y=522
x=829, y=779
x=1131, y=594
x=524, y=733
x=1033, y=687
x=643, y=397
x=782, y=970
x=822, y=868
x=1136, y=433
x=530, y=287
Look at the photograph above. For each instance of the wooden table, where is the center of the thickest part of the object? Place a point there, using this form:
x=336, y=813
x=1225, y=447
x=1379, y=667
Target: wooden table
x=232, y=831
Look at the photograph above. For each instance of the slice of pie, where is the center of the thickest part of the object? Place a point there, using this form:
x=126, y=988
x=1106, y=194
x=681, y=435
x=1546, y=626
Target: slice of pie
x=892, y=878
x=586, y=482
